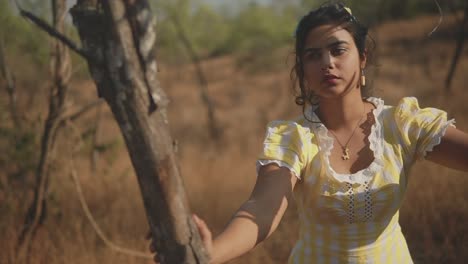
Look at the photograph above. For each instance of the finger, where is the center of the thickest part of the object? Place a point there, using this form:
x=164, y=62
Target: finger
x=203, y=229
x=148, y=235
x=152, y=248
x=156, y=258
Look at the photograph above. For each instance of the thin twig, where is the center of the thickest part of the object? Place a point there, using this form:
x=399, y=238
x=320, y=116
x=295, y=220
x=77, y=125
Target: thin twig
x=441, y=18
x=72, y=117
x=83, y=110
x=96, y=227
x=60, y=73
x=51, y=31
x=215, y=131
x=93, y=223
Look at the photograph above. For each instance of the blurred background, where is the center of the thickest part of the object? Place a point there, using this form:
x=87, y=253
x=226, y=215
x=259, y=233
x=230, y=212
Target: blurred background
x=237, y=54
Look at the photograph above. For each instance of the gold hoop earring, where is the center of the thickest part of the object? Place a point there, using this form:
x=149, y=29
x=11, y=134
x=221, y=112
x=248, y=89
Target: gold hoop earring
x=363, y=78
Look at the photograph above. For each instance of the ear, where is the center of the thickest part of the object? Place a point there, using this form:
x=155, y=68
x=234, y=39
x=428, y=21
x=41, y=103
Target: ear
x=363, y=58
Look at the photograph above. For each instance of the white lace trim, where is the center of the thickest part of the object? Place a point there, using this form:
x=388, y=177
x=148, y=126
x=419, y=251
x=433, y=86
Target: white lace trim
x=279, y=163
x=437, y=138
x=375, y=140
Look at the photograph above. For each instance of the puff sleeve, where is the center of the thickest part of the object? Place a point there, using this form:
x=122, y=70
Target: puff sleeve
x=286, y=144
x=421, y=129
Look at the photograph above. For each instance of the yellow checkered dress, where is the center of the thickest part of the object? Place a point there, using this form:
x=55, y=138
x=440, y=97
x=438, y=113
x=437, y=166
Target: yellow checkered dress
x=353, y=218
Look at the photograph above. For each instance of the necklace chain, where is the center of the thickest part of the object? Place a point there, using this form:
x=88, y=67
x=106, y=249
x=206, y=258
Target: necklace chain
x=344, y=147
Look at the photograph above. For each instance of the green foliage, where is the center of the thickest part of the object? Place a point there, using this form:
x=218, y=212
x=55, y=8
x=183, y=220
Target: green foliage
x=249, y=28
x=255, y=29
x=260, y=29
x=205, y=29
x=20, y=150
x=214, y=30
x=21, y=37
x=257, y=33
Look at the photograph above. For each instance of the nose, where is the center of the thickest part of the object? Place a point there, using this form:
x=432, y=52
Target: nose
x=327, y=61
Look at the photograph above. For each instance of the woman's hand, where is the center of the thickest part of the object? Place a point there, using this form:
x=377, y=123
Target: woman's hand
x=205, y=235
x=152, y=248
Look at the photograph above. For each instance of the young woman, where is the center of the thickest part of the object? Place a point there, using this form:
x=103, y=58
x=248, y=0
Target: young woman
x=345, y=161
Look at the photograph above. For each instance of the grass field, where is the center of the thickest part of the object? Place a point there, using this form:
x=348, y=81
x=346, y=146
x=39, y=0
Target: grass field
x=218, y=180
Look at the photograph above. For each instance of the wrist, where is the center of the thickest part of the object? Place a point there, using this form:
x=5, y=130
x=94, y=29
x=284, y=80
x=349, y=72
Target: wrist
x=214, y=256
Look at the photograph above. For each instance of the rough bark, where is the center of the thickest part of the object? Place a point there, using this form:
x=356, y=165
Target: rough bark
x=60, y=70
x=119, y=38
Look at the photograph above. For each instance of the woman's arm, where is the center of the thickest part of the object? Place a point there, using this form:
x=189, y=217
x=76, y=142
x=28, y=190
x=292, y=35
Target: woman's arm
x=452, y=151
x=257, y=218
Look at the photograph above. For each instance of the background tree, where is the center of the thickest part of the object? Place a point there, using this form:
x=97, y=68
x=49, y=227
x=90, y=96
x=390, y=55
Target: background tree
x=60, y=69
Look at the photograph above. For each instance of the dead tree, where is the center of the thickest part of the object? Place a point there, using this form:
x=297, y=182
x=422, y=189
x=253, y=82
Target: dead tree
x=60, y=70
x=458, y=51
x=215, y=130
x=118, y=42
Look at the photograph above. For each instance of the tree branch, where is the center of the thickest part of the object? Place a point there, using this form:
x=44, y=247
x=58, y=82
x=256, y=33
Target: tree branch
x=215, y=130
x=60, y=70
x=52, y=32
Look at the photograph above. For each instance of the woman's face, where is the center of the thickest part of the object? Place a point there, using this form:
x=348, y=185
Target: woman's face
x=331, y=62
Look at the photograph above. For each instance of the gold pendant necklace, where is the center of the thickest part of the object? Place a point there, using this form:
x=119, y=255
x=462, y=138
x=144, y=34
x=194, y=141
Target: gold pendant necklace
x=345, y=148
x=345, y=155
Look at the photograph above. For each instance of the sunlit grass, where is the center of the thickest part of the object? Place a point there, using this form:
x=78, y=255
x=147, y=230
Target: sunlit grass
x=219, y=179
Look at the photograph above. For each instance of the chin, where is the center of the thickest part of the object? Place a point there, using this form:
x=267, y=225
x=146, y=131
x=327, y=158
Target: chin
x=331, y=93
x=335, y=92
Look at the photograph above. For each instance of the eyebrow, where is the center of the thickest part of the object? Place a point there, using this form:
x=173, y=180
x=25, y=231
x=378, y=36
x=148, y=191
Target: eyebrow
x=333, y=44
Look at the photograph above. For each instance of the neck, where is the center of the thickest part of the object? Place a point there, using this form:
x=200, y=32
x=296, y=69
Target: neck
x=341, y=113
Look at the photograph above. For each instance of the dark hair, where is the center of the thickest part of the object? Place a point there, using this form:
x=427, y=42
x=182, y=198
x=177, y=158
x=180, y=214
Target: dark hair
x=328, y=13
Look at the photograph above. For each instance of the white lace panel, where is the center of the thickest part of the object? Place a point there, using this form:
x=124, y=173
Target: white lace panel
x=376, y=146
x=365, y=213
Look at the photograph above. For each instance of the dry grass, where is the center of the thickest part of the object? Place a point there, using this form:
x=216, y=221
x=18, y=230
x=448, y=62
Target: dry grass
x=218, y=180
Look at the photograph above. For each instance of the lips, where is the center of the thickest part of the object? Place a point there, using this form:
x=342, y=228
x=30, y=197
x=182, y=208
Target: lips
x=329, y=78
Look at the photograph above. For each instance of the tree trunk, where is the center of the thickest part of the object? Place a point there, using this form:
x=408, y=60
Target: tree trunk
x=119, y=38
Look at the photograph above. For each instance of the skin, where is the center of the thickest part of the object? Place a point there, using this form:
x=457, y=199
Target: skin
x=330, y=49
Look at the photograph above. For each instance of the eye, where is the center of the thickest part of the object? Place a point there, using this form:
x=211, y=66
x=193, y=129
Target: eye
x=312, y=55
x=338, y=51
